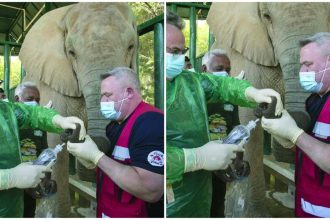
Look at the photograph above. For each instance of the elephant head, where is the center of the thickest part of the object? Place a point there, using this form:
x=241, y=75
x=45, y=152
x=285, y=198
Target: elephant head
x=70, y=47
x=64, y=53
x=268, y=35
x=262, y=38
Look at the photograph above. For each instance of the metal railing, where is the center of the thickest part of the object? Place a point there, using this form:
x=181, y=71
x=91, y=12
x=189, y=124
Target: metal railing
x=193, y=17
x=157, y=26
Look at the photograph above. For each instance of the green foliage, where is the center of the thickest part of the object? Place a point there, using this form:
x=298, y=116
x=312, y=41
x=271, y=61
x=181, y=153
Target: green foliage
x=202, y=41
x=145, y=11
x=15, y=71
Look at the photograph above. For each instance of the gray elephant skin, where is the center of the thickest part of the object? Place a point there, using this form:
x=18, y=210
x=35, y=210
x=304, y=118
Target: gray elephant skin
x=263, y=40
x=65, y=53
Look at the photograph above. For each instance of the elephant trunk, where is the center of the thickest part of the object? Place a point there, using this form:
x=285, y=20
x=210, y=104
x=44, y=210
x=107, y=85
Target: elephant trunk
x=91, y=90
x=301, y=24
x=294, y=96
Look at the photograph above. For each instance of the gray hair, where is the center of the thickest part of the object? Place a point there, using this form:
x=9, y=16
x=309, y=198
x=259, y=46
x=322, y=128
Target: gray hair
x=215, y=52
x=321, y=39
x=124, y=72
x=175, y=20
x=28, y=84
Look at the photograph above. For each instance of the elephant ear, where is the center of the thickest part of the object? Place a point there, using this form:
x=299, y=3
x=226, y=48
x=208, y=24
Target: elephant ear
x=127, y=13
x=239, y=26
x=43, y=54
x=131, y=19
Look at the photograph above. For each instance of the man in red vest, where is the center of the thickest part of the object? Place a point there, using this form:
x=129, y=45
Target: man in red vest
x=130, y=181
x=312, y=174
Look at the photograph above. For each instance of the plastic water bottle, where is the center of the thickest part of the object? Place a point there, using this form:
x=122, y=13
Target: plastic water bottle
x=240, y=132
x=48, y=155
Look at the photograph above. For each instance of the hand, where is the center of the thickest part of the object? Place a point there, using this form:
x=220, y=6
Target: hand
x=241, y=75
x=264, y=95
x=26, y=175
x=284, y=127
x=49, y=104
x=211, y=156
x=283, y=142
x=87, y=150
x=69, y=123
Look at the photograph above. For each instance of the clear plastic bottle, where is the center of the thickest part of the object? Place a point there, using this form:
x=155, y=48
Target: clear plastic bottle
x=48, y=155
x=240, y=132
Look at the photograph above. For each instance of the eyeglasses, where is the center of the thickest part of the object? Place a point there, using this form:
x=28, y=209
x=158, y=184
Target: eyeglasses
x=176, y=50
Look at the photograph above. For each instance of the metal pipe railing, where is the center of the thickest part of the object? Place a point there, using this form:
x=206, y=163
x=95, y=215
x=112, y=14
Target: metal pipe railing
x=193, y=36
x=159, y=65
x=156, y=25
x=6, y=68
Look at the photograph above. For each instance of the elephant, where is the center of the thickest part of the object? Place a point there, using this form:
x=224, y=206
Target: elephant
x=262, y=38
x=65, y=53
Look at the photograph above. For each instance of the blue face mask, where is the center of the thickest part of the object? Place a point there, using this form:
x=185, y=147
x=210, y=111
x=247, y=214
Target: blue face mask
x=308, y=80
x=108, y=109
x=174, y=65
x=220, y=73
x=31, y=103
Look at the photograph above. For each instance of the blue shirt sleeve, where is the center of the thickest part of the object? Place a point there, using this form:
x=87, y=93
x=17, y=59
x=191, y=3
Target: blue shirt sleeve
x=146, y=143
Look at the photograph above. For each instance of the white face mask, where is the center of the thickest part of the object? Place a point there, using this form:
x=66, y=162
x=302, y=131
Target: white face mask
x=31, y=103
x=192, y=70
x=5, y=100
x=174, y=65
x=108, y=109
x=220, y=73
x=308, y=80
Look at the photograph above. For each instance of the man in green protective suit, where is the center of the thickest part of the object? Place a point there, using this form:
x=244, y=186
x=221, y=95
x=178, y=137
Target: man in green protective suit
x=15, y=175
x=190, y=153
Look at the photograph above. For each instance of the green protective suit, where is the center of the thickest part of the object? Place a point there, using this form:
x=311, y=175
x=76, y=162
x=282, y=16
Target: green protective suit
x=15, y=116
x=187, y=96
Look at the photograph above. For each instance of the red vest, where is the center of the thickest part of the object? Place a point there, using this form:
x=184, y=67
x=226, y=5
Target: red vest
x=313, y=184
x=113, y=201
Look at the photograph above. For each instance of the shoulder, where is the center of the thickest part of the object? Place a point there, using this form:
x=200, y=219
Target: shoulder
x=148, y=127
x=149, y=119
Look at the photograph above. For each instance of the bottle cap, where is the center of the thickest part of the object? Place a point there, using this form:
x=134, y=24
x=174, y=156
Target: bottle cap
x=252, y=124
x=58, y=148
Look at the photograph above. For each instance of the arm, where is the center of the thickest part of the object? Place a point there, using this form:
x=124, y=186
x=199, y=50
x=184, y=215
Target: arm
x=144, y=177
x=22, y=176
x=174, y=164
x=35, y=117
x=225, y=89
x=211, y=156
x=139, y=182
x=318, y=151
x=286, y=128
x=237, y=92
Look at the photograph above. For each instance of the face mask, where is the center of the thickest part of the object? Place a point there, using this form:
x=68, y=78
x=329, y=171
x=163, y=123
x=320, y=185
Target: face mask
x=221, y=73
x=32, y=103
x=174, y=64
x=5, y=100
x=308, y=81
x=108, y=109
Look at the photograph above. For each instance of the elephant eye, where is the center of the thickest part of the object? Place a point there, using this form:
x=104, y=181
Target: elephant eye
x=131, y=47
x=72, y=53
x=267, y=16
